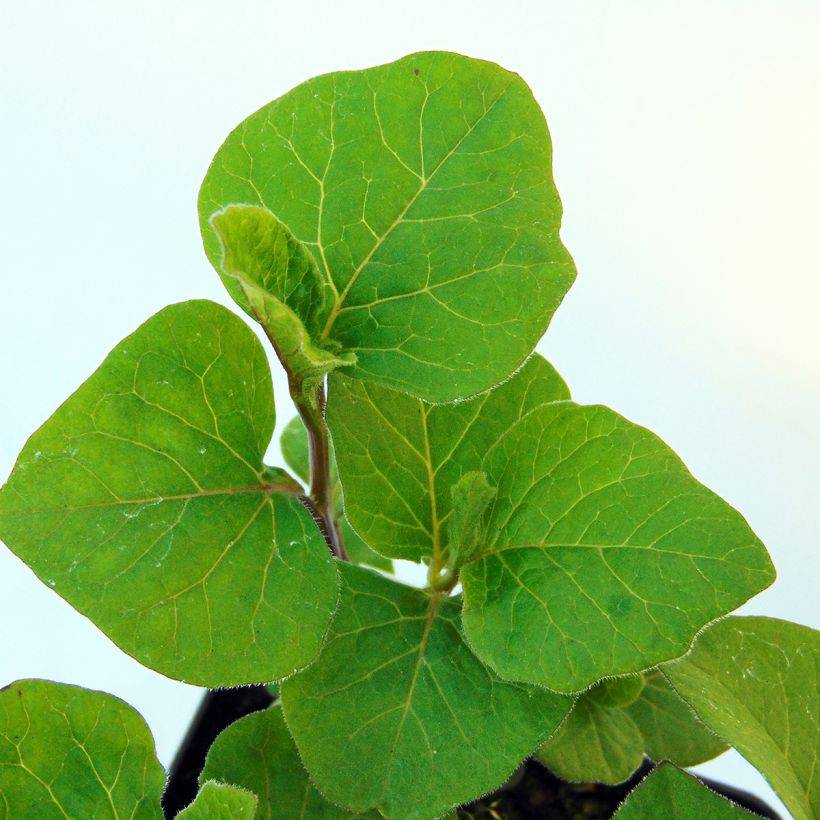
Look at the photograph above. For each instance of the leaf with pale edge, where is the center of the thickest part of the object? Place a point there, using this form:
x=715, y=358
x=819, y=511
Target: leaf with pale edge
x=605, y=741
x=294, y=443
x=143, y=501
x=754, y=681
x=67, y=752
x=423, y=189
x=258, y=753
x=274, y=279
x=604, y=556
x=397, y=714
x=399, y=457
x=669, y=792
x=219, y=801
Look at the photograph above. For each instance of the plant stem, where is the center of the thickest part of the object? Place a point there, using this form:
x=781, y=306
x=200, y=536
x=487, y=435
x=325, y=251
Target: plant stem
x=319, y=447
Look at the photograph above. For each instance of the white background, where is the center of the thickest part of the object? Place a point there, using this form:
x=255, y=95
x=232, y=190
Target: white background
x=686, y=151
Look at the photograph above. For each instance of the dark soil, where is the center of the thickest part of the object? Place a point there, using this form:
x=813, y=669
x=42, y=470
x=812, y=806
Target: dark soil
x=533, y=792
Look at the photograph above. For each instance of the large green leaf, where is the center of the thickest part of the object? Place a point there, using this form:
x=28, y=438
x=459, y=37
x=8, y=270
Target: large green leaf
x=397, y=714
x=143, y=501
x=258, y=753
x=754, y=681
x=294, y=442
x=219, y=801
x=605, y=740
x=399, y=457
x=668, y=792
x=604, y=556
x=423, y=189
x=67, y=752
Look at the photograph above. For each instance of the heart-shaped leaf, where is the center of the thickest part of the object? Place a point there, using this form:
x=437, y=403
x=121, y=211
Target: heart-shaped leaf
x=604, y=739
x=604, y=556
x=669, y=792
x=294, y=443
x=67, y=752
x=400, y=458
x=219, y=801
x=423, y=189
x=397, y=714
x=258, y=753
x=754, y=682
x=144, y=502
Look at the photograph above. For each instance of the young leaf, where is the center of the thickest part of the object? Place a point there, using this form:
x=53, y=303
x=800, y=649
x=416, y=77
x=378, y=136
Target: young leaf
x=468, y=521
x=68, y=752
x=423, y=189
x=604, y=555
x=754, y=682
x=143, y=501
x=399, y=457
x=258, y=753
x=274, y=279
x=613, y=725
x=669, y=792
x=218, y=801
x=398, y=714
x=294, y=443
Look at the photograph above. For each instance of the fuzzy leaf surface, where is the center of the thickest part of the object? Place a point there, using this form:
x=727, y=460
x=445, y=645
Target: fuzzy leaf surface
x=607, y=743
x=399, y=715
x=669, y=792
x=754, y=681
x=399, y=457
x=294, y=443
x=423, y=188
x=258, y=753
x=67, y=752
x=144, y=502
x=275, y=280
x=219, y=801
x=604, y=556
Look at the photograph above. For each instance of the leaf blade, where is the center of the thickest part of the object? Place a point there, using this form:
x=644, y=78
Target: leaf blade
x=764, y=702
x=411, y=722
x=143, y=501
x=436, y=170
x=219, y=801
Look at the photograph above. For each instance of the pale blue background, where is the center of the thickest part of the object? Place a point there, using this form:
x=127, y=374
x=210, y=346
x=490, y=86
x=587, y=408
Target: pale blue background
x=686, y=151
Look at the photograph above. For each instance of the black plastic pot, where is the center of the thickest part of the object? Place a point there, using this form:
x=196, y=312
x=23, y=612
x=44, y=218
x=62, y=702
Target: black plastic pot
x=533, y=792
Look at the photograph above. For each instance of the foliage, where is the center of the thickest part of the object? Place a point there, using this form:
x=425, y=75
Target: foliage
x=395, y=234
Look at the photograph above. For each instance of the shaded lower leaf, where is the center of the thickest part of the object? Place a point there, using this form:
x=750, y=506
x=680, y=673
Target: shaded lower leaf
x=68, y=752
x=398, y=714
x=754, y=681
x=144, y=502
x=613, y=725
x=604, y=556
x=669, y=792
x=258, y=753
x=219, y=801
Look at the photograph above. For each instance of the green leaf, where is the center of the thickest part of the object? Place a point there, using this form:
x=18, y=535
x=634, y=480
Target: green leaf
x=669, y=792
x=67, y=752
x=423, y=189
x=275, y=280
x=258, y=753
x=218, y=801
x=399, y=715
x=294, y=443
x=754, y=681
x=467, y=526
x=604, y=555
x=399, y=457
x=143, y=501
x=614, y=724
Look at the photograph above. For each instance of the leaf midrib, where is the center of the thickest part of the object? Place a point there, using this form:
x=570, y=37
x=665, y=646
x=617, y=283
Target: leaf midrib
x=425, y=180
